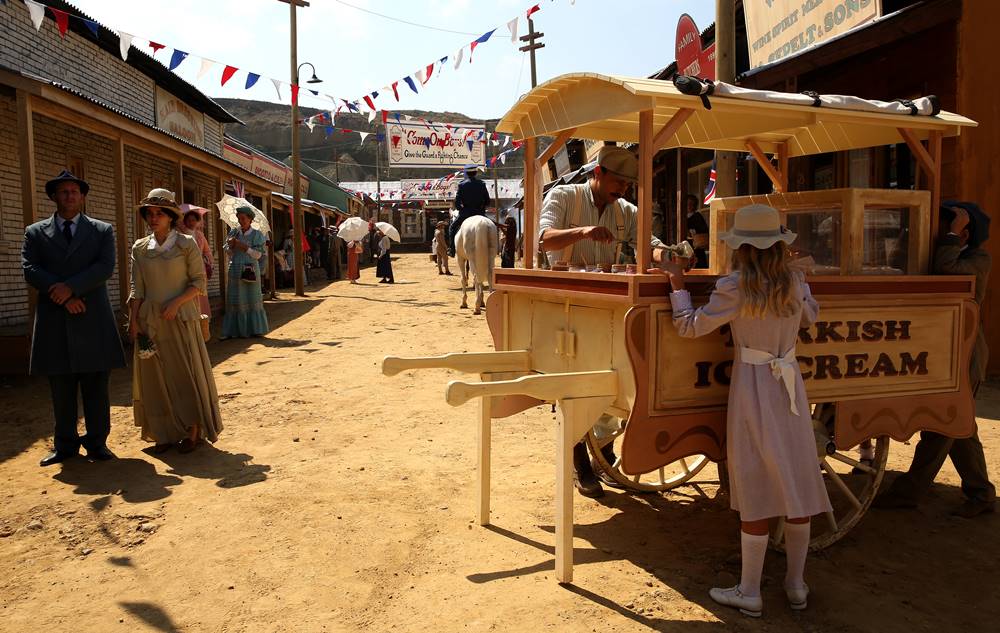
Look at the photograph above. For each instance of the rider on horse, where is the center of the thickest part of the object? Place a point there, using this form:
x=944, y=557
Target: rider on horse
x=472, y=199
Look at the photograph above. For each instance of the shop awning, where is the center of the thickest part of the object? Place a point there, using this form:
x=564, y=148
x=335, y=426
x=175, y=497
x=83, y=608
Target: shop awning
x=603, y=107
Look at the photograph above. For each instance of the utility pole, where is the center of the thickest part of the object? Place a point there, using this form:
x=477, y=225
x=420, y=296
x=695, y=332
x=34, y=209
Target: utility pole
x=298, y=221
x=378, y=170
x=725, y=70
x=531, y=47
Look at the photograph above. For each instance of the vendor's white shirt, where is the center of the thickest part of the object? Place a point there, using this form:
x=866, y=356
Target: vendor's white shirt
x=557, y=213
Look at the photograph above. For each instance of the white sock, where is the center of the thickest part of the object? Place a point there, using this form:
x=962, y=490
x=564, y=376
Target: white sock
x=754, y=547
x=796, y=549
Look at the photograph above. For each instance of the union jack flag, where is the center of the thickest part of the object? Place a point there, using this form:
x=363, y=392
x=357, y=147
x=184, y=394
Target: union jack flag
x=710, y=189
x=239, y=189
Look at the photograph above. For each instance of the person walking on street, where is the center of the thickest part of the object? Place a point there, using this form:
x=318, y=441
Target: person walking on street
x=509, y=250
x=472, y=198
x=964, y=229
x=441, y=248
x=174, y=398
x=194, y=220
x=383, y=268
x=354, y=250
x=770, y=446
x=68, y=258
x=245, y=315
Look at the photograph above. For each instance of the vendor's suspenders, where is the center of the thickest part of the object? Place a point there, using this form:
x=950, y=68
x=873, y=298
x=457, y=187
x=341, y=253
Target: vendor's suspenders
x=567, y=253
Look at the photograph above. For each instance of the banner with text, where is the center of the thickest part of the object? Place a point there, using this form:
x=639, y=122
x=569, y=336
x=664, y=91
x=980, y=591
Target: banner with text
x=779, y=28
x=416, y=144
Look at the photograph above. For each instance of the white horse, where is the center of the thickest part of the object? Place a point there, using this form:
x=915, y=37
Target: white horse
x=476, y=243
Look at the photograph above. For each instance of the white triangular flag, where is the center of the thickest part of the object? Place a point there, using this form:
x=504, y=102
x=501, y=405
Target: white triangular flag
x=407, y=117
x=364, y=135
x=422, y=76
x=277, y=86
x=506, y=140
x=512, y=25
x=37, y=12
x=206, y=65
x=371, y=116
x=458, y=57
x=503, y=158
x=124, y=43
x=310, y=123
x=333, y=117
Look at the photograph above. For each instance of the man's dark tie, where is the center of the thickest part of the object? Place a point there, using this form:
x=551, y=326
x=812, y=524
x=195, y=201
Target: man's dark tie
x=68, y=231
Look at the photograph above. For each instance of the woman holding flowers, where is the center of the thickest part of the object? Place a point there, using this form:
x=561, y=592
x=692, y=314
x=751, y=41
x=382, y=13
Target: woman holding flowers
x=175, y=401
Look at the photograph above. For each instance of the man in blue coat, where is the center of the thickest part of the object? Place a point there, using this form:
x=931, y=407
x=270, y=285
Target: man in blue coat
x=68, y=258
x=471, y=199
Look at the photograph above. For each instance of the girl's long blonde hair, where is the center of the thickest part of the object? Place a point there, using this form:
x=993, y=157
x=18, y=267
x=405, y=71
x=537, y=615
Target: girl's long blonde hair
x=766, y=283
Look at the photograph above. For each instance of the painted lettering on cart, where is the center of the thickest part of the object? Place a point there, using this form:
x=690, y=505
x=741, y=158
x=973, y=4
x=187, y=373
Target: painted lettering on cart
x=836, y=366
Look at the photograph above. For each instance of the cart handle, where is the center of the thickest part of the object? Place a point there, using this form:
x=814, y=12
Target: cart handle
x=577, y=384
x=471, y=363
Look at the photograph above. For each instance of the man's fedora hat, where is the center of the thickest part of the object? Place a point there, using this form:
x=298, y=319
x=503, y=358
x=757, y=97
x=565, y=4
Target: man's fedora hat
x=620, y=161
x=161, y=198
x=65, y=176
x=759, y=226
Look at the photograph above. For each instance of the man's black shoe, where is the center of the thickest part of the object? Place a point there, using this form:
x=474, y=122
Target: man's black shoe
x=583, y=475
x=55, y=457
x=101, y=454
x=608, y=453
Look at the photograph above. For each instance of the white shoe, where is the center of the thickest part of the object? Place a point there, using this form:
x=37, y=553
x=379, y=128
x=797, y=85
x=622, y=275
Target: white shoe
x=797, y=597
x=733, y=597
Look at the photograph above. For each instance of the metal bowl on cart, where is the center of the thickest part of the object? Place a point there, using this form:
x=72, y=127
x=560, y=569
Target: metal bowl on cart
x=889, y=359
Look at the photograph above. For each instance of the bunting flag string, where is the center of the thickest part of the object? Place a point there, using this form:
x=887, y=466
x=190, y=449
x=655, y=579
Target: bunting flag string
x=61, y=17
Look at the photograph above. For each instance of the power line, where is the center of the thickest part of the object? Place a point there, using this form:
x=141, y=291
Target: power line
x=389, y=17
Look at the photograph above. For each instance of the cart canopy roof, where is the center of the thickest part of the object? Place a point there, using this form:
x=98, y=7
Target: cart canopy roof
x=606, y=108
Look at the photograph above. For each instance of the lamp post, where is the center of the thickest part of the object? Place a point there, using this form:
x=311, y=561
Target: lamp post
x=298, y=219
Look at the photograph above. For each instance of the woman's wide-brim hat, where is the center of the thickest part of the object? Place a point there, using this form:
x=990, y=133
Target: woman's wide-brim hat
x=65, y=176
x=190, y=208
x=247, y=211
x=163, y=199
x=759, y=226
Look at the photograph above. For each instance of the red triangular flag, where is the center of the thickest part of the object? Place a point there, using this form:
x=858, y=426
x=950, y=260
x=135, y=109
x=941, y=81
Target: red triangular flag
x=62, y=20
x=156, y=47
x=228, y=73
x=428, y=72
x=385, y=117
x=395, y=92
x=368, y=100
x=533, y=10
x=295, y=94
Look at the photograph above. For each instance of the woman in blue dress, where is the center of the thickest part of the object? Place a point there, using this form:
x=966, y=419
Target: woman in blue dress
x=245, y=314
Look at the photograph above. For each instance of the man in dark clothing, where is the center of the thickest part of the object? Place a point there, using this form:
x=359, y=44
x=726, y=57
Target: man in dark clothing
x=472, y=199
x=697, y=229
x=959, y=252
x=68, y=258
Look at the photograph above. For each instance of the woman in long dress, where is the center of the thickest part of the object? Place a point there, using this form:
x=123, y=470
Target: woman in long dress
x=245, y=314
x=770, y=446
x=174, y=398
x=383, y=268
x=354, y=249
x=193, y=221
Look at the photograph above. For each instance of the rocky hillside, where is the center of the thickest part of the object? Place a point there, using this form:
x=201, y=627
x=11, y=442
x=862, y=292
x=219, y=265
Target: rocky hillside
x=340, y=157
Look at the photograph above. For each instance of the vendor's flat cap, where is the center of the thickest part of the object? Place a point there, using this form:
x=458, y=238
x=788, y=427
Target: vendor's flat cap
x=620, y=161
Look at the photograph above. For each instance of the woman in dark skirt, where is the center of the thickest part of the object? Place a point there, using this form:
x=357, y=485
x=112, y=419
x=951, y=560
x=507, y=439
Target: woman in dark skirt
x=384, y=267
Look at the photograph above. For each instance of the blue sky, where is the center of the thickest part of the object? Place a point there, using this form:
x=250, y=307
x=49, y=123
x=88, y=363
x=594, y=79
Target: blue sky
x=355, y=52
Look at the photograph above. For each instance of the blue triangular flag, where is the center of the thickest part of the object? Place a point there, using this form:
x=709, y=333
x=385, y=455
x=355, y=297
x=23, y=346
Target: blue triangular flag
x=90, y=24
x=396, y=116
x=443, y=59
x=380, y=136
x=251, y=80
x=177, y=58
x=374, y=94
x=484, y=37
x=409, y=82
x=329, y=130
x=314, y=92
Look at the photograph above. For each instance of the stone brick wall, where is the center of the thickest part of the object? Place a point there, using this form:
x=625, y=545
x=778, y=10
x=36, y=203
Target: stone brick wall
x=13, y=293
x=80, y=63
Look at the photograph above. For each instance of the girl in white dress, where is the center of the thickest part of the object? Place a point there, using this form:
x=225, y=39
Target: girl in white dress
x=771, y=450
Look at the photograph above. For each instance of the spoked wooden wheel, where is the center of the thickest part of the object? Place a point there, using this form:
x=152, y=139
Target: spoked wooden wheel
x=851, y=485
x=669, y=476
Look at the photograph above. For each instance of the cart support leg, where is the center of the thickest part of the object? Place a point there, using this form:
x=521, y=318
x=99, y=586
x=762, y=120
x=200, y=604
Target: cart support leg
x=483, y=441
x=578, y=415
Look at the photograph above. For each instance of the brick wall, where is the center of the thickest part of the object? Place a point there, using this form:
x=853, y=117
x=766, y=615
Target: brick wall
x=13, y=292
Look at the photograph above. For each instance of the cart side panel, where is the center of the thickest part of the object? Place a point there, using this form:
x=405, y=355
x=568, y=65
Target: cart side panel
x=498, y=320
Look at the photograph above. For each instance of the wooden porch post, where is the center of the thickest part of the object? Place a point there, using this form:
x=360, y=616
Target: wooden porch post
x=531, y=203
x=179, y=195
x=270, y=249
x=644, y=227
x=220, y=238
x=29, y=192
x=121, y=238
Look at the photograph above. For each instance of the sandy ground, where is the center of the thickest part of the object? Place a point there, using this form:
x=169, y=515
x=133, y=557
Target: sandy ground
x=340, y=500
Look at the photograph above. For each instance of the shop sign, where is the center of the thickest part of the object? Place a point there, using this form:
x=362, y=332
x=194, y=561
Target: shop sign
x=270, y=170
x=429, y=190
x=858, y=350
x=779, y=28
x=178, y=118
x=692, y=58
x=238, y=156
x=414, y=144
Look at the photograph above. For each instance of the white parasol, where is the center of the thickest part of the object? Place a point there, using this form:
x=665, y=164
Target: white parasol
x=389, y=230
x=227, y=213
x=353, y=229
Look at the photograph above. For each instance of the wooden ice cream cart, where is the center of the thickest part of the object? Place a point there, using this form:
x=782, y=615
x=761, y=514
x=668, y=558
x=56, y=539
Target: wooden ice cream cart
x=889, y=356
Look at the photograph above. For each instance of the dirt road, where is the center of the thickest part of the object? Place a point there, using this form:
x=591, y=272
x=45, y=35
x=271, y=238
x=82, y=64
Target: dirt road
x=340, y=500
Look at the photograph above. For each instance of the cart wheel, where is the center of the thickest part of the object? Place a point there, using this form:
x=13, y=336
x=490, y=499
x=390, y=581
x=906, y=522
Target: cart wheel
x=669, y=476
x=851, y=485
